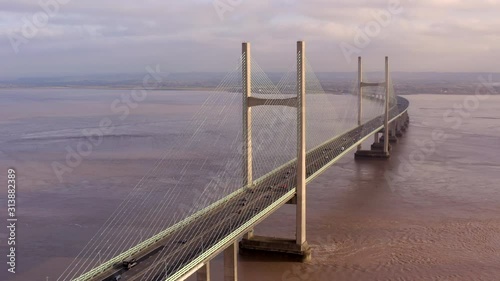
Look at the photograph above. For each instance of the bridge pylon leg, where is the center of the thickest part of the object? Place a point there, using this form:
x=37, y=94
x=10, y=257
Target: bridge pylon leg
x=301, y=146
x=360, y=96
x=386, y=115
x=246, y=60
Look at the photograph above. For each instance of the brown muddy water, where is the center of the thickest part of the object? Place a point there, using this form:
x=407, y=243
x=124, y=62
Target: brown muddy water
x=431, y=212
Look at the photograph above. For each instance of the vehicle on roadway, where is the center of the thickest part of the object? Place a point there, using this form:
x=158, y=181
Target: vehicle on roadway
x=128, y=264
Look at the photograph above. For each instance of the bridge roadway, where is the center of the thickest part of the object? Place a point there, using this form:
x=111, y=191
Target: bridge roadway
x=180, y=247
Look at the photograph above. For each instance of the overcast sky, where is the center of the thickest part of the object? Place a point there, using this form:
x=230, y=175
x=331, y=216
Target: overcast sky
x=100, y=36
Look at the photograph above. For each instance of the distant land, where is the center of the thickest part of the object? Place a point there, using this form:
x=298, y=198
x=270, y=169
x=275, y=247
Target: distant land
x=333, y=82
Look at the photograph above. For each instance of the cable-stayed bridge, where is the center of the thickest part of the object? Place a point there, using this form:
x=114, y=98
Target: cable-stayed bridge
x=289, y=133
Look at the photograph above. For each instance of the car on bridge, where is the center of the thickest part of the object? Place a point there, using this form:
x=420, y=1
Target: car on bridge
x=128, y=264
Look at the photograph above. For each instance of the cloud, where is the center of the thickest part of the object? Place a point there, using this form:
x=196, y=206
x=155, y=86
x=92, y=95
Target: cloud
x=109, y=36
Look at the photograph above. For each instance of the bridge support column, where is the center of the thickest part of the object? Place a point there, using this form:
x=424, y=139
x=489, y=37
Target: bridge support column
x=203, y=273
x=378, y=143
x=406, y=120
x=392, y=133
x=403, y=124
x=231, y=263
x=399, y=128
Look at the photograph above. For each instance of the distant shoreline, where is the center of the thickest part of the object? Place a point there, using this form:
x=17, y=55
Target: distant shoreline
x=208, y=89
x=201, y=89
x=113, y=88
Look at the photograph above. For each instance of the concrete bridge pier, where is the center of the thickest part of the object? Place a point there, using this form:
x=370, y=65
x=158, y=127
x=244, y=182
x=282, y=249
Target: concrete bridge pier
x=393, y=132
x=403, y=125
x=399, y=128
x=404, y=122
x=378, y=143
x=393, y=139
x=407, y=119
x=231, y=262
x=203, y=274
x=230, y=265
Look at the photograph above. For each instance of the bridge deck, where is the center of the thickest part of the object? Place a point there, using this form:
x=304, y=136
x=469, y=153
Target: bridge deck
x=180, y=248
